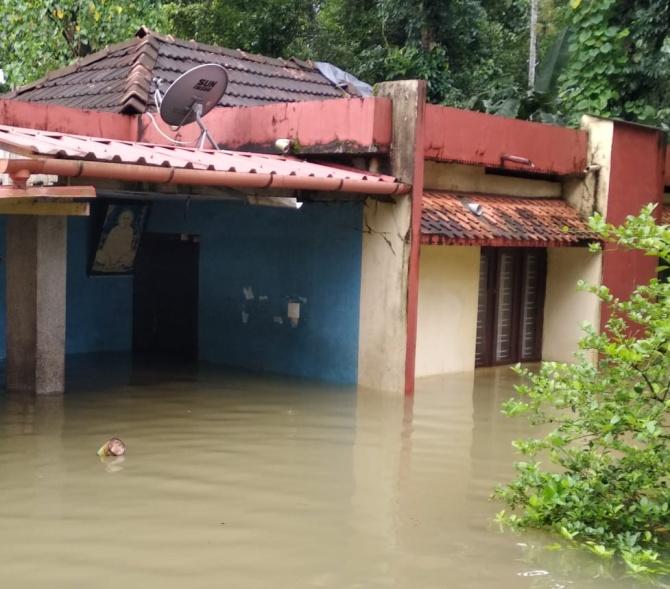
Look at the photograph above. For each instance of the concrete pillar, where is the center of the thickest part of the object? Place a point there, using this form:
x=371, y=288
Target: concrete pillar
x=390, y=263
x=36, y=266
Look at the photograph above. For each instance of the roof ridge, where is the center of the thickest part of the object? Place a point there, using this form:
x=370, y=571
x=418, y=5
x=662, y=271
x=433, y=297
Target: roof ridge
x=135, y=97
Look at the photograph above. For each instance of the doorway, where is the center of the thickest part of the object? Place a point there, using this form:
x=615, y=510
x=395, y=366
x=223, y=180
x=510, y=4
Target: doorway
x=165, y=297
x=510, y=306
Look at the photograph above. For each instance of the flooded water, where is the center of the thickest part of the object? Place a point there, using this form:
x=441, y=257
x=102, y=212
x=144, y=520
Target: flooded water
x=242, y=481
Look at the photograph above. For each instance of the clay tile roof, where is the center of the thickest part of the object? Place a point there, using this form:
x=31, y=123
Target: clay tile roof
x=120, y=78
x=504, y=221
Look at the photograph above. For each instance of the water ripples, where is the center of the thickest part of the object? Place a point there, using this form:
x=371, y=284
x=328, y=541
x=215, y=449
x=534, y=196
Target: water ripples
x=256, y=482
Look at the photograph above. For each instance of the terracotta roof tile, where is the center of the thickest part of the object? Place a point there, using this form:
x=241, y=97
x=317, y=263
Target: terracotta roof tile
x=504, y=221
x=120, y=78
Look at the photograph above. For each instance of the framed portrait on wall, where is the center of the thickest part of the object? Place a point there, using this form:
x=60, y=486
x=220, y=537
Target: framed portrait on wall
x=117, y=231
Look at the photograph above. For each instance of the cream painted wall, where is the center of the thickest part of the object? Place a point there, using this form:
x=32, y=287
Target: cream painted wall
x=382, y=337
x=447, y=325
x=461, y=178
x=565, y=308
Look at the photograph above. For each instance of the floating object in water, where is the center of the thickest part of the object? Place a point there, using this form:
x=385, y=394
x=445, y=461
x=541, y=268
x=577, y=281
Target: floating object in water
x=538, y=573
x=112, y=447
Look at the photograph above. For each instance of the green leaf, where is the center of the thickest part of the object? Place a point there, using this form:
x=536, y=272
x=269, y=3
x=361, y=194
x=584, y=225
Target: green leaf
x=553, y=63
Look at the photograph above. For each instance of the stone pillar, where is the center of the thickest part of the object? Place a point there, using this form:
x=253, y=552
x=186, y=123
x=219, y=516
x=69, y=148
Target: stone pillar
x=391, y=240
x=35, y=298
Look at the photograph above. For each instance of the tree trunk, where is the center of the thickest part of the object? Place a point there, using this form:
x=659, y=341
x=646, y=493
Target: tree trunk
x=532, y=51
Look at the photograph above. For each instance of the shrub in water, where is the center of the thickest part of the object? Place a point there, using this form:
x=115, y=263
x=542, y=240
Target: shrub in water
x=607, y=418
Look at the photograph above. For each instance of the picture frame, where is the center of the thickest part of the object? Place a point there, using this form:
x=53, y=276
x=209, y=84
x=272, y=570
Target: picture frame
x=116, y=232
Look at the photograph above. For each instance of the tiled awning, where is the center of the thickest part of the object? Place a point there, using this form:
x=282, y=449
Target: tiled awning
x=447, y=219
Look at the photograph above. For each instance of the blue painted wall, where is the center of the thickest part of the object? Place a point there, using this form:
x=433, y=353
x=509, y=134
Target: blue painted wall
x=313, y=253
x=3, y=347
x=99, y=308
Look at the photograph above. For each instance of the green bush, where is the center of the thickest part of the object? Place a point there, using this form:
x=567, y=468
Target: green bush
x=606, y=420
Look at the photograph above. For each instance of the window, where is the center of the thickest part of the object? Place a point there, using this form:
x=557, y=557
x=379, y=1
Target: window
x=510, y=306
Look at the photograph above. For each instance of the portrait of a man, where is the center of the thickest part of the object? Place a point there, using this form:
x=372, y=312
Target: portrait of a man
x=119, y=239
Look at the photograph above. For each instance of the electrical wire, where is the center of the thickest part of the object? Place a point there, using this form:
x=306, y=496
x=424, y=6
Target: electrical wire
x=166, y=136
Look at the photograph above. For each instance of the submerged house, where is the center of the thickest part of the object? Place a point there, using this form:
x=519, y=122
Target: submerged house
x=401, y=240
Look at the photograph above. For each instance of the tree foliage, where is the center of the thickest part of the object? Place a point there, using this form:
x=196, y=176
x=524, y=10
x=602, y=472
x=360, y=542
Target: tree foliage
x=606, y=57
x=459, y=46
x=619, y=62
x=608, y=444
x=41, y=35
x=269, y=27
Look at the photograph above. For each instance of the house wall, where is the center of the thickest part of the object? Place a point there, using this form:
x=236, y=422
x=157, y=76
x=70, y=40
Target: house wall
x=390, y=254
x=566, y=308
x=384, y=290
x=635, y=180
x=99, y=309
x=462, y=178
x=312, y=253
x=448, y=289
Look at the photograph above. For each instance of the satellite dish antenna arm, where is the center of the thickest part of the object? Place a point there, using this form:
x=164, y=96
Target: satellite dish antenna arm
x=158, y=96
x=197, y=109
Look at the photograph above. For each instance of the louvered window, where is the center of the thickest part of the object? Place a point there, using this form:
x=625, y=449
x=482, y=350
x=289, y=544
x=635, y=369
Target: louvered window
x=511, y=304
x=505, y=302
x=481, y=357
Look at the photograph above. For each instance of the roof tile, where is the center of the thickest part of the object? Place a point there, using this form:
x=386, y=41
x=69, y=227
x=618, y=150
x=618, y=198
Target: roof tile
x=504, y=221
x=120, y=78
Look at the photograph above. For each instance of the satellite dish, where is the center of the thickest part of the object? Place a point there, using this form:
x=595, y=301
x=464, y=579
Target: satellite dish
x=192, y=95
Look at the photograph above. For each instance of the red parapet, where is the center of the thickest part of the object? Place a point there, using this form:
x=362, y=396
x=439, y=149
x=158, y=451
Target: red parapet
x=62, y=119
x=666, y=175
x=454, y=135
x=348, y=125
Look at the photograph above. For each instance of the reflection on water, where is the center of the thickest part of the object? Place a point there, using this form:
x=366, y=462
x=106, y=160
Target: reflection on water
x=255, y=482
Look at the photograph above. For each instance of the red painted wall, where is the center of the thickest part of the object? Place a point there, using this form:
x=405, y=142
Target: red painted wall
x=464, y=136
x=636, y=179
x=327, y=126
x=667, y=168
x=62, y=119
x=349, y=125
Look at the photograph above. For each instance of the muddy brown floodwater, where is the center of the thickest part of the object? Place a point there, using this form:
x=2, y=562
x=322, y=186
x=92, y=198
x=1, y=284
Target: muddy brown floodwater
x=246, y=481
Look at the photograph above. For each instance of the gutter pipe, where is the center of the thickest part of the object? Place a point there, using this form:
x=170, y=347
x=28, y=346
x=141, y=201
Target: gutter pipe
x=20, y=169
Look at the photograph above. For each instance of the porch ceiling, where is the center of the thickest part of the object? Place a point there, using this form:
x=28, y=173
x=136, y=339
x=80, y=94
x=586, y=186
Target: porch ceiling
x=504, y=221
x=56, y=153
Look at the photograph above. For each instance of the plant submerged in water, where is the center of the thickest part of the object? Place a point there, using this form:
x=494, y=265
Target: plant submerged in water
x=608, y=489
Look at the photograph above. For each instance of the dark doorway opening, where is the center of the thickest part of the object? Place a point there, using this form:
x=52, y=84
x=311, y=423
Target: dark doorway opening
x=511, y=304
x=165, y=298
